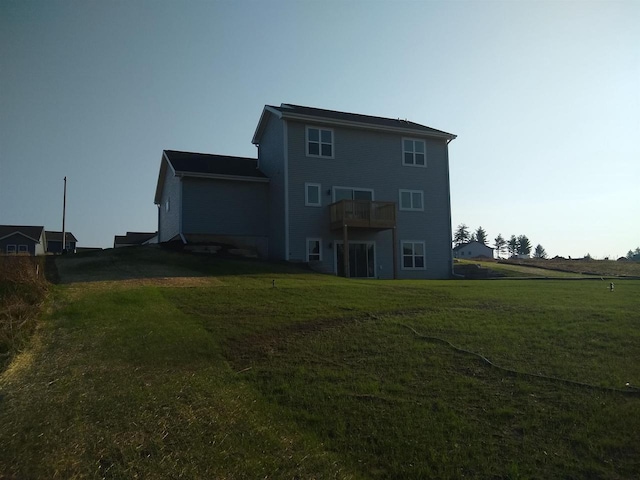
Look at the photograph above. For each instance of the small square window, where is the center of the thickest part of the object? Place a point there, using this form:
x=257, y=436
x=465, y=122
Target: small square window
x=23, y=249
x=11, y=249
x=314, y=250
x=412, y=200
x=319, y=142
x=413, y=255
x=414, y=152
x=312, y=196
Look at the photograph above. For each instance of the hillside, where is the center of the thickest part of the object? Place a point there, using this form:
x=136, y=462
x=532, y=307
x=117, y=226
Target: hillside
x=154, y=364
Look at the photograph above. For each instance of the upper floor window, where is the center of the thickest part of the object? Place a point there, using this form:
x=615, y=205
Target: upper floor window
x=414, y=152
x=411, y=200
x=319, y=142
x=312, y=195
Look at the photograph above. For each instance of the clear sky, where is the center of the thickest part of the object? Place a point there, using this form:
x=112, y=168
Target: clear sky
x=543, y=95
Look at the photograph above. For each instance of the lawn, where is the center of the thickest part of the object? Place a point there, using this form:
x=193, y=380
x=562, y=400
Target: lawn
x=235, y=369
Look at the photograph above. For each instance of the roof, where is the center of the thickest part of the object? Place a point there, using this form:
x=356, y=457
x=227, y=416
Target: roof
x=29, y=231
x=134, y=238
x=187, y=162
x=471, y=243
x=205, y=165
x=298, y=112
x=57, y=236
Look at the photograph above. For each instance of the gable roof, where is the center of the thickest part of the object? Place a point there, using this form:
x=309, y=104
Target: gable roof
x=356, y=120
x=205, y=165
x=57, y=236
x=32, y=232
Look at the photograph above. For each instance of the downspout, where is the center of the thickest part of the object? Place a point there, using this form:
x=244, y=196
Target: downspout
x=452, y=274
x=286, y=189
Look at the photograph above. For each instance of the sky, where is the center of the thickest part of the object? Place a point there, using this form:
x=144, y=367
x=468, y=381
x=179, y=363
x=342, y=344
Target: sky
x=544, y=97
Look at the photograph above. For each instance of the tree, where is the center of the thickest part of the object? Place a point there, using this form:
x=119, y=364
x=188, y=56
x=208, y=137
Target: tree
x=500, y=244
x=481, y=236
x=524, y=245
x=462, y=235
x=512, y=246
x=539, y=252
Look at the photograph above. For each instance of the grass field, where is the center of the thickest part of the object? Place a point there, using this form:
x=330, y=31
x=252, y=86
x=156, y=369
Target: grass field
x=157, y=365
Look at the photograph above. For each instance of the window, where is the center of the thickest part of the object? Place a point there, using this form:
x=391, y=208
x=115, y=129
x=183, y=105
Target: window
x=314, y=250
x=348, y=193
x=166, y=205
x=414, y=152
x=411, y=200
x=11, y=249
x=23, y=249
x=312, y=195
x=413, y=255
x=319, y=142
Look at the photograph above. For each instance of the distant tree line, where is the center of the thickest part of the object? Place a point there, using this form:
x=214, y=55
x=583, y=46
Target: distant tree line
x=515, y=246
x=634, y=255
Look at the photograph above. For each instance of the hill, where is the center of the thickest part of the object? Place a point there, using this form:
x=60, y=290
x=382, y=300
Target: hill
x=154, y=364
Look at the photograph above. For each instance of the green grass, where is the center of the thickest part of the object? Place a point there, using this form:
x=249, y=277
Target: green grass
x=220, y=375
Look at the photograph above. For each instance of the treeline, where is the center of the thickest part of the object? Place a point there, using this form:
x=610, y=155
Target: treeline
x=516, y=245
x=634, y=255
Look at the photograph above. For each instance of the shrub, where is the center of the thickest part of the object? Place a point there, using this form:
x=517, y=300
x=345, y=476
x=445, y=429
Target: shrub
x=22, y=292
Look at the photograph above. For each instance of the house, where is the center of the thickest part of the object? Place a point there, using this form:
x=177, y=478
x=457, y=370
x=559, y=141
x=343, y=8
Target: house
x=22, y=239
x=135, y=238
x=350, y=194
x=472, y=250
x=54, y=242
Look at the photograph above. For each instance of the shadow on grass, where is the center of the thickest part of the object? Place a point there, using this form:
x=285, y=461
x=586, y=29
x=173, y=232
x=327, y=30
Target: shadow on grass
x=155, y=262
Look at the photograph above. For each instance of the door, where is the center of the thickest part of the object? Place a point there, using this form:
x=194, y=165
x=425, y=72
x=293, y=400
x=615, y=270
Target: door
x=361, y=259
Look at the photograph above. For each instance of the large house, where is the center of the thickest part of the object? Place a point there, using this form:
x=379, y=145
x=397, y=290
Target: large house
x=351, y=194
x=22, y=239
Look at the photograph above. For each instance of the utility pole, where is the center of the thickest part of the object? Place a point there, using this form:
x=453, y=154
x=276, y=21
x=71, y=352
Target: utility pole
x=64, y=212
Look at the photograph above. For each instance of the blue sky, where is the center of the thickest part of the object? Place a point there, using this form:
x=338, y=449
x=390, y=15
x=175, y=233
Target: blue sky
x=544, y=97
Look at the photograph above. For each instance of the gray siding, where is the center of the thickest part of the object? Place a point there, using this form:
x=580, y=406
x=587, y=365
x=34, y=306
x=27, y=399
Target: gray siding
x=271, y=162
x=372, y=160
x=224, y=207
x=169, y=221
x=17, y=239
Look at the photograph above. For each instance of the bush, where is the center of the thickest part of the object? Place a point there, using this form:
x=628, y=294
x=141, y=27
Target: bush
x=22, y=292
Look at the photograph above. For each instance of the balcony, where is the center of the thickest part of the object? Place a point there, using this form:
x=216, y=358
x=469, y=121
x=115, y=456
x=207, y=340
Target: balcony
x=363, y=214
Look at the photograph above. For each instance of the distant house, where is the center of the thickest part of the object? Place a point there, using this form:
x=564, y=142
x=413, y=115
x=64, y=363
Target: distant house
x=353, y=195
x=135, y=238
x=22, y=239
x=54, y=242
x=472, y=250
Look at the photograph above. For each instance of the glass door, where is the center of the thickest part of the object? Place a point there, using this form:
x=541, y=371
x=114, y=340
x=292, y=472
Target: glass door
x=361, y=259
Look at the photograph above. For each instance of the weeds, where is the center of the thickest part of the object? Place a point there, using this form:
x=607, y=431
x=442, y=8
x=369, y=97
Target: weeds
x=22, y=292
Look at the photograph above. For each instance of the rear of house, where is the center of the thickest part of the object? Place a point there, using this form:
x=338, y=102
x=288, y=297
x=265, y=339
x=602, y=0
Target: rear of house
x=379, y=185
x=350, y=194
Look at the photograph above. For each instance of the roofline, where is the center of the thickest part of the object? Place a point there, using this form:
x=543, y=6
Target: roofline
x=262, y=122
x=346, y=123
x=26, y=236
x=218, y=176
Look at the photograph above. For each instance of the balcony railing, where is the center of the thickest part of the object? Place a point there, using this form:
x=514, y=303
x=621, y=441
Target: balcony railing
x=363, y=214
